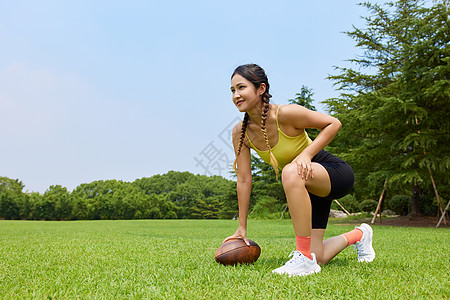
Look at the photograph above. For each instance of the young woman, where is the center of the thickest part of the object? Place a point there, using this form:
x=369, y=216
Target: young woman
x=311, y=177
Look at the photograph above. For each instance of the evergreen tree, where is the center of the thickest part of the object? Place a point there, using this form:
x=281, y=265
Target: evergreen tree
x=304, y=98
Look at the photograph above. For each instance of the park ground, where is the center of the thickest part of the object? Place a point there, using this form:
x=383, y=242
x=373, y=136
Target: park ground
x=174, y=259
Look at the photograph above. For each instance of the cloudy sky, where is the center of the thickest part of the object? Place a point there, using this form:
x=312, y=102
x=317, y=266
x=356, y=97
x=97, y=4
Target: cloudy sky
x=97, y=90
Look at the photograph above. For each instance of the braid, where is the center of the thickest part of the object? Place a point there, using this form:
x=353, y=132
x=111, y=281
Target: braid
x=256, y=75
x=265, y=111
x=241, y=139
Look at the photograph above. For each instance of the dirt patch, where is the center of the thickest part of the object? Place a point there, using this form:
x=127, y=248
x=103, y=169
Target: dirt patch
x=412, y=222
x=404, y=221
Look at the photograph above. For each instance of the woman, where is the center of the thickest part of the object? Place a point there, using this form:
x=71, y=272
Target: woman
x=311, y=177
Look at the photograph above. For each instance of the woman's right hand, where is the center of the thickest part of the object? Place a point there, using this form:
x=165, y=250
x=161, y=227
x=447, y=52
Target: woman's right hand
x=241, y=233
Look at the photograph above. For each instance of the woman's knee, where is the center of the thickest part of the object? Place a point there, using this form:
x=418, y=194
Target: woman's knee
x=290, y=176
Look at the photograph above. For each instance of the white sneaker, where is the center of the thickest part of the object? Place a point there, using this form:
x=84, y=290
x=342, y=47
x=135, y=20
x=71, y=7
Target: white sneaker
x=299, y=265
x=364, y=247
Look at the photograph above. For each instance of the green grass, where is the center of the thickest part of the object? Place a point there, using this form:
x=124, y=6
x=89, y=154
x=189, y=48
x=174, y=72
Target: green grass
x=174, y=259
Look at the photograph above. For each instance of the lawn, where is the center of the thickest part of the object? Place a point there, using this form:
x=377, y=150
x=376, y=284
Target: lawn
x=174, y=259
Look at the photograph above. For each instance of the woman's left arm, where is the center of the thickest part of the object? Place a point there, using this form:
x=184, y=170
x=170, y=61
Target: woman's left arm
x=301, y=118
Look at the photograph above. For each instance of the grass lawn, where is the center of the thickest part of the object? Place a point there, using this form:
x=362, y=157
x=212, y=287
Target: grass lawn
x=174, y=259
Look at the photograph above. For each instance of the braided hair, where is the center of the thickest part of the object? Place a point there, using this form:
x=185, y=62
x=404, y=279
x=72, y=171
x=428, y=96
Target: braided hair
x=256, y=75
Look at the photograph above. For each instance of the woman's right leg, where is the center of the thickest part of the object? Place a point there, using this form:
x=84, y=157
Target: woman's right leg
x=297, y=194
x=296, y=189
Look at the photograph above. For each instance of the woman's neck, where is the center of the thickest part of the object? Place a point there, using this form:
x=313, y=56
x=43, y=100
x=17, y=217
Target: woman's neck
x=256, y=114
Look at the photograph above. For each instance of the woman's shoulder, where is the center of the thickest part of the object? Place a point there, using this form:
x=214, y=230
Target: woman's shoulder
x=237, y=131
x=290, y=112
x=237, y=128
x=290, y=109
x=237, y=134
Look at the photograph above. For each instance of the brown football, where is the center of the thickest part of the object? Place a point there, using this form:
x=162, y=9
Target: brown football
x=235, y=251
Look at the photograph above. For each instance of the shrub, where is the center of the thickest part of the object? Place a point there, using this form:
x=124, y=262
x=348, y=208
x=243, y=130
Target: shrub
x=349, y=202
x=428, y=204
x=368, y=205
x=171, y=215
x=400, y=204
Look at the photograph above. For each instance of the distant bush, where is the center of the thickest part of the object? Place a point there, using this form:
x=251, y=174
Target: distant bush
x=428, y=204
x=349, y=202
x=368, y=205
x=400, y=204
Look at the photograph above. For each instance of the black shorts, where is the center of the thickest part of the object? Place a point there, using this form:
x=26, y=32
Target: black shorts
x=342, y=179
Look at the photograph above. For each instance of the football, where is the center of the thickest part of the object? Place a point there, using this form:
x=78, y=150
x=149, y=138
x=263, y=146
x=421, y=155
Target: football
x=235, y=251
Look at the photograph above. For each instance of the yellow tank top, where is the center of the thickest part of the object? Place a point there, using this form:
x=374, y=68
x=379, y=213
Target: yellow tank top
x=287, y=148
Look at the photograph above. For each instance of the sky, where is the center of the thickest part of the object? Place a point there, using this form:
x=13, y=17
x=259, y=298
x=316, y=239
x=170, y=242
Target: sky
x=99, y=90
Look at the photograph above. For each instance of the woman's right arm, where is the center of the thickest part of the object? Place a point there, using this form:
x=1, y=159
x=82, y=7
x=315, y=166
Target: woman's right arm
x=243, y=184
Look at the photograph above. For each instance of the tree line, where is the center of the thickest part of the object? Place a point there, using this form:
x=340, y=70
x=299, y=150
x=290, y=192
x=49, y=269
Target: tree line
x=175, y=195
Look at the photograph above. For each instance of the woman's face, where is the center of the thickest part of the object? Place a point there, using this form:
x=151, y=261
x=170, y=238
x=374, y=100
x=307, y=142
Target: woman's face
x=245, y=95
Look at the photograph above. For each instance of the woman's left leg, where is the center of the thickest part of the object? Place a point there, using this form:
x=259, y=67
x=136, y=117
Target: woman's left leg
x=326, y=250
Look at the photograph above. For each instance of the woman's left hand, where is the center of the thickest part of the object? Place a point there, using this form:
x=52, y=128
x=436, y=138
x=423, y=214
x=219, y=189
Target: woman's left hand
x=304, y=166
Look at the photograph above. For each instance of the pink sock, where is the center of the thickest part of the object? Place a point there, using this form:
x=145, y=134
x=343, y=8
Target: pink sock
x=353, y=236
x=304, y=245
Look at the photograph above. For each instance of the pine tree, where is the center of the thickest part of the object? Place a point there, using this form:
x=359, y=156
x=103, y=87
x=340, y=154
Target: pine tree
x=305, y=99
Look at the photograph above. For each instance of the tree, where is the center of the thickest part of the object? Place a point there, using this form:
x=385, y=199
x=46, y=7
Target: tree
x=304, y=98
x=266, y=189
x=394, y=107
x=57, y=197
x=13, y=202
x=229, y=207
